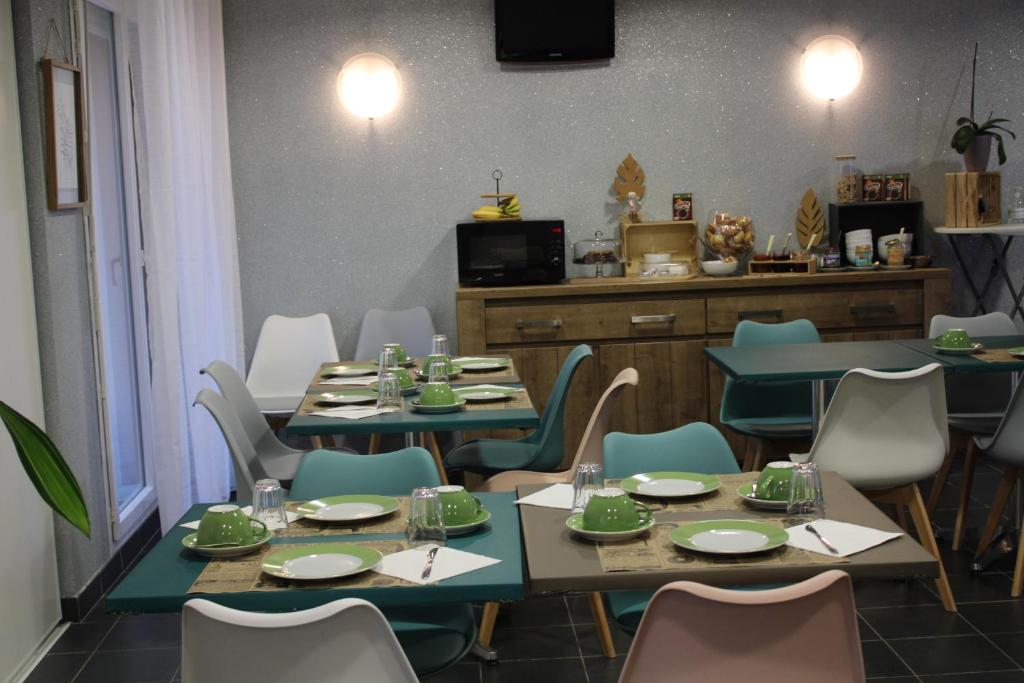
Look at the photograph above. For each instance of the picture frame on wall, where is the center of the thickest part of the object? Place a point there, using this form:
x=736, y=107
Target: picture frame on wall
x=67, y=175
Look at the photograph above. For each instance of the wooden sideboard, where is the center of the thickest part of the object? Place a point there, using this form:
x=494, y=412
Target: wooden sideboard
x=661, y=326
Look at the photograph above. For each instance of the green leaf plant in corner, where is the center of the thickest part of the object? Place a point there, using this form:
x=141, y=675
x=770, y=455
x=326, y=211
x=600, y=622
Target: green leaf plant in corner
x=968, y=129
x=46, y=468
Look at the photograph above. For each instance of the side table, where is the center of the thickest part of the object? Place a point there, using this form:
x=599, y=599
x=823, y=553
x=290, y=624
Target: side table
x=999, y=238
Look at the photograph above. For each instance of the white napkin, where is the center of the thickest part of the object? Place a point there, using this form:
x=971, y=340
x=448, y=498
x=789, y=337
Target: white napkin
x=849, y=539
x=292, y=516
x=555, y=496
x=351, y=381
x=484, y=387
x=449, y=562
x=350, y=413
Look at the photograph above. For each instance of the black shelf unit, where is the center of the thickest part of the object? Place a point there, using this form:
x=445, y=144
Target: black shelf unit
x=883, y=218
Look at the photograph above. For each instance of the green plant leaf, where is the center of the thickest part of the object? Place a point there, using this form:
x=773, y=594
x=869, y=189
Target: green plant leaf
x=46, y=468
x=1005, y=130
x=962, y=138
x=963, y=120
x=999, y=148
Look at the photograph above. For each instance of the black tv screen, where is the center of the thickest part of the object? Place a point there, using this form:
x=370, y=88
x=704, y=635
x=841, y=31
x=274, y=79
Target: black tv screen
x=554, y=30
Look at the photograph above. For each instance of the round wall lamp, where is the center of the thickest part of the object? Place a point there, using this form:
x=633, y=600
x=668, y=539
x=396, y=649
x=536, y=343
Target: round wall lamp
x=831, y=67
x=369, y=85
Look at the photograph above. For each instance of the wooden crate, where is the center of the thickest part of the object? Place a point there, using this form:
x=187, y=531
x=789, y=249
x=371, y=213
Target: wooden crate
x=973, y=199
x=676, y=237
x=800, y=267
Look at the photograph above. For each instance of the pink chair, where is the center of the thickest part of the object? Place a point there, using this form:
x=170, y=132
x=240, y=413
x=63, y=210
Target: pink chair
x=804, y=632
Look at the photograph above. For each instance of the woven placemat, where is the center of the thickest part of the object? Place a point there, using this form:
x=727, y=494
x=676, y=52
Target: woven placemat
x=722, y=499
x=244, y=574
x=655, y=551
x=997, y=356
x=505, y=375
x=390, y=524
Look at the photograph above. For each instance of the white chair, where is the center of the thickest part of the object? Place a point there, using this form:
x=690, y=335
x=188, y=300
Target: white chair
x=346, y=640
x=248, y=469
x=412, y=328
x=883, y=432
x=976, y=403
x=288, y=353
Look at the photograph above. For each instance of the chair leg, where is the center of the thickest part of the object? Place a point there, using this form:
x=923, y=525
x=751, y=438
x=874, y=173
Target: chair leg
x=753, y=454
x=965, y=494
x=490, y=615
x=1018, y=572
x=429, y=441
x=317, y=441
x=942, y=476
x=992, y=523
x=374, y=443
x=927, y=539
x=604, y=632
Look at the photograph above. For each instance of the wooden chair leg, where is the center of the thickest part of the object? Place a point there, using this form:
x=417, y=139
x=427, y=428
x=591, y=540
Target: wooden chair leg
x=604, y=632
x=927, y=539
x=942, y=476
x=490, y=615
x=430, y=443
x=317, y=441
x=992, y=523
x=1018, y=572
x=374, y=444
x=752, y=454
x=965, y=494
x=748, y=454
x=758, y=456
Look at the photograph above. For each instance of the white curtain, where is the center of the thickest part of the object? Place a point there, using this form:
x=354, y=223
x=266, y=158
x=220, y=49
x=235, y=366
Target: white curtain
x=191, y=253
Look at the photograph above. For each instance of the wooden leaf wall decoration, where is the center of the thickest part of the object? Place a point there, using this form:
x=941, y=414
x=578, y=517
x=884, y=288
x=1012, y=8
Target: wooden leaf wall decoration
x=630, y=178
x=809, y=219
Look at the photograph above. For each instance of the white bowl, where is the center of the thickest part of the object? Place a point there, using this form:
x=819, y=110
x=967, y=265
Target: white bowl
x=866, y=232
x=662, y=257
x=719, y=267
x=907, y=239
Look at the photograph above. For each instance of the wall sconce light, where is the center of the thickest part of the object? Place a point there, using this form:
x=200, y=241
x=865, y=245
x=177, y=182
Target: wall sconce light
x=831, y=67
x=369, y=85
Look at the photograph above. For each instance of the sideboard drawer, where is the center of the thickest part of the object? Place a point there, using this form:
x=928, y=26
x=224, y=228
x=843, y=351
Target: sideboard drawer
x=595, y=321
x=839, y=309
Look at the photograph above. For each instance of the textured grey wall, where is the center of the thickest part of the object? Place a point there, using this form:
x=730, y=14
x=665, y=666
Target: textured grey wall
x=338, y=214
x=60, y=277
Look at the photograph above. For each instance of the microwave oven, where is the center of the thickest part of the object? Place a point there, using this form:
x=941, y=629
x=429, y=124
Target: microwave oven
x=509, y=253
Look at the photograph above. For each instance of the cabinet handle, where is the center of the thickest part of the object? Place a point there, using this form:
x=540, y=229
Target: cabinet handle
x=873, y=310
x=522, y=324
x=767, y=313
x=665, y=318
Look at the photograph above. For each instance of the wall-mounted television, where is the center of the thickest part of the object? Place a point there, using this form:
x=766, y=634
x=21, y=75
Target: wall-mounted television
x=554, y=30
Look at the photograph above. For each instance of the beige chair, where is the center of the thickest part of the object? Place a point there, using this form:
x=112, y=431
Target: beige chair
x=806, y=632
x=589, y=450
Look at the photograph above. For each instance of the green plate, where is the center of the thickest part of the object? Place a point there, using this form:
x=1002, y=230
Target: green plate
x=349, y=370
x=1017, y=351
x=973, y=348
x=746, y=492
x=348, y=397
x=407, y=363
x=436, y=410
x=575, y=525
x=471, y=364
x=480, y=395
x=670, y=484
x=232, y=551
x=729, y=536
x=461, y=529
x=351, y=508
x=319, y=561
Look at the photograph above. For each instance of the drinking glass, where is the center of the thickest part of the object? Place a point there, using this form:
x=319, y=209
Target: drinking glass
x=388, y=360
x=589, y=478
x=389, y=391
x=806, y=502
x=439, y=344
x=437, y=373
x=268, y=504
x=426, y=518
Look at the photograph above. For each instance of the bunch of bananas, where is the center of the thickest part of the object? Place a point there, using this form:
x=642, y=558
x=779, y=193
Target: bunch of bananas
x=507, y=207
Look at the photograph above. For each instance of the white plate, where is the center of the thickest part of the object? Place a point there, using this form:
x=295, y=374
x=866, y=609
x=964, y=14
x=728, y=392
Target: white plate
x=670, y=488
x=730, y=541
x=348, y=512
x=483, y=365
x=483, y=395
x=325, y=566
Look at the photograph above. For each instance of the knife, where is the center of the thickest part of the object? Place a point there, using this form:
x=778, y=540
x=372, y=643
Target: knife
x=431, y=554
x=824, y=541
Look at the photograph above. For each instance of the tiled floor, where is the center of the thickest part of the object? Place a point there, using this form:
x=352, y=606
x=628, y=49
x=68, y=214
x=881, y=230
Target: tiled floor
x=906, y=634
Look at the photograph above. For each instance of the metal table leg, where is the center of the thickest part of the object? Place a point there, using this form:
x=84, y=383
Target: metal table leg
x=818, y=391
x=410, y=439
x=979, y=297
x=485, y=652
x=1000, y=263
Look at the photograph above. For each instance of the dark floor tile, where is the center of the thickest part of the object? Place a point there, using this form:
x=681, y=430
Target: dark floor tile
x=579, y=609
x=960, y=561
x=590, y=642
x=561, y=670
x=956, y=654
x=543, y=642
x=604, y=670
x=144, y=631
x=866, y=632
x=891, y=593
x=82, y=637
x=988, y=587
x=131, y=666
x=534, y=612
x=879, y=660
x=57, y=668
x=99, y=613
x=913, y=621
x=995, y=617
x=1012, y=644
x=977, y=677
x=895, y=679
x=466, y=672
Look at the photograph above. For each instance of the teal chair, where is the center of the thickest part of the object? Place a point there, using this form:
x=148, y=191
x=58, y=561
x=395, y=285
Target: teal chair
x=541, y=451
x=433, y=639
x=768, y=410
x=697, y=447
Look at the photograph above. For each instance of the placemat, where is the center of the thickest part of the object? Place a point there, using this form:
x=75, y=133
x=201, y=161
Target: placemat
x=657, y=551
x=997, y=356
x=724, y=498
x=517, y=401
x=244, y=574
x=390, y=524
x=506, y=375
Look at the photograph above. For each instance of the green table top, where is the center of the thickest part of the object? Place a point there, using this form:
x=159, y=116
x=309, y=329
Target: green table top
x=410, y=421
x=971, y=364
x=814, y=361
x=160, y=582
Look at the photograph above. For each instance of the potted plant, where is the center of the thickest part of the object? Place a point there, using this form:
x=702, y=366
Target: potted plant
x=974, y=140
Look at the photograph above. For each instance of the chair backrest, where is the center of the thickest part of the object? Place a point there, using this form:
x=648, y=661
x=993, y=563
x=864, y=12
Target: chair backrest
x=769, y=399
x=591, y=448
x=885, y=429
x=288, y=352
x=412, y=328
x=805, y=632
x=550, y=435
x=345, y=640
x=1008, y=442
x=232, y=388
x=981, y=393
x=696, y=447
x=248, y=469
x=327, y=473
